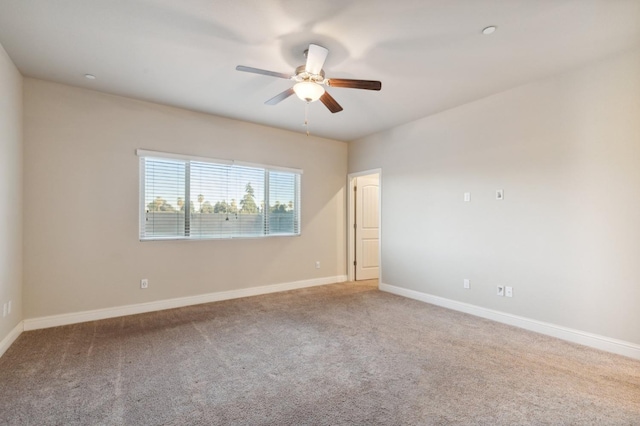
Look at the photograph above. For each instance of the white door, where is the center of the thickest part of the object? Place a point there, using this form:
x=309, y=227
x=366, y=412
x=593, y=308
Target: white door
x=366, y=227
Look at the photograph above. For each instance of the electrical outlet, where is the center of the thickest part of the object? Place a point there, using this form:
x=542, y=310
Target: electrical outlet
x=466, y=283
x=144, y=283
x=317, y=264
x=499, y=194
x=500, y=290
x=9, y=308
x=467, y=196
x=508, y=291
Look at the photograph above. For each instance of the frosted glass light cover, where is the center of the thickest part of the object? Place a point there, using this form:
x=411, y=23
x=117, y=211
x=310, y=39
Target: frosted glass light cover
x=308, y=91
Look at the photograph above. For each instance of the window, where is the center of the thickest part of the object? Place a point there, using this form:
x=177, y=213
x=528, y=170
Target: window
x=185, y=197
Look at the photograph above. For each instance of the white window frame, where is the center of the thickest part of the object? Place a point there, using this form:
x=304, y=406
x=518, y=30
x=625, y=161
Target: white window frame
x=142, y=154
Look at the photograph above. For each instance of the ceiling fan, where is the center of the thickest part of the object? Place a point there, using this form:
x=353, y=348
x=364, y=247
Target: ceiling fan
x=310, y=79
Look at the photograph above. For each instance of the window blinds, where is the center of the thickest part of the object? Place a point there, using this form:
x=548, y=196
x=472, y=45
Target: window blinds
x=183, y=198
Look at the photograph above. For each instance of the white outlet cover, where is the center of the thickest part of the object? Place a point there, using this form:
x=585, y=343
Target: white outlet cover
x=508, y=291
x=466, y=283
x=499, y=194
x=9, y=308
x=500, y=290
x=467, y=196
x=144, y=283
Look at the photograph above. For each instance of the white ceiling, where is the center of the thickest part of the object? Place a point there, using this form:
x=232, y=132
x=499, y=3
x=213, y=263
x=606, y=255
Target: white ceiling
x=429, y=54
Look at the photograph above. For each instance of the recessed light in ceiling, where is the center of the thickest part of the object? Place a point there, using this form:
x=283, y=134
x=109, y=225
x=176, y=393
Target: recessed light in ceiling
x=90, y=76
x=489, y=30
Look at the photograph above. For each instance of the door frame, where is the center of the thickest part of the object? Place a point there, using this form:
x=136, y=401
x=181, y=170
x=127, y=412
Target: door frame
x=351, y=204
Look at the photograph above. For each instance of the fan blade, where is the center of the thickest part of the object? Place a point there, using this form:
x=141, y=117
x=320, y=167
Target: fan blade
x=263, y=72
x=330, y=103
x=316, y=55
x=280, y=97
x=355, y=84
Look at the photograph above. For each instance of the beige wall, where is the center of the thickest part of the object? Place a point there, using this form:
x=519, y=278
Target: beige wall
x=81, y=203
x=10, y=193
x=566, y=151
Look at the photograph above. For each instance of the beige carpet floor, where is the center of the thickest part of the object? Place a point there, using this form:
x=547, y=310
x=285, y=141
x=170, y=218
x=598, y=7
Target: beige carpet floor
x=331, y=355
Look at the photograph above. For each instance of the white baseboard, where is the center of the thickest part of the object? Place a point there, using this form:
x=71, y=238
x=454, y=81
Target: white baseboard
x=576, y=336
x=11, y=337
x=119, y=311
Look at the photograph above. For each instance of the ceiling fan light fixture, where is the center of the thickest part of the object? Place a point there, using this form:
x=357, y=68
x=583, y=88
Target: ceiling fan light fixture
x=308, y=91
x=309, y=81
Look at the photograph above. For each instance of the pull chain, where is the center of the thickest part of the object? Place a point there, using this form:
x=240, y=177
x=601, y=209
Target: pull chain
x=306, y=117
